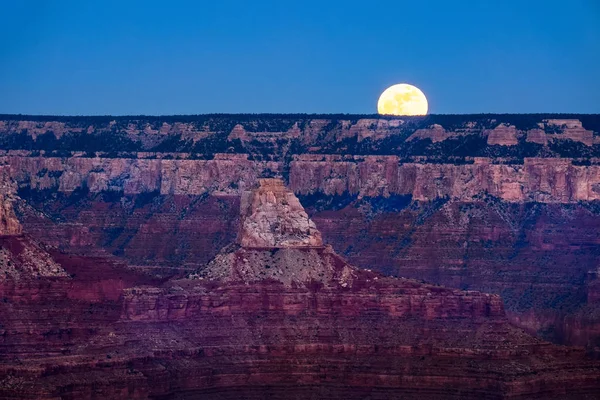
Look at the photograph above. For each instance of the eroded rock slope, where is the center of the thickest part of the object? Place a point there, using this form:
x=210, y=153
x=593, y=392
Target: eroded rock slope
x=508, y=204
x=286, y=319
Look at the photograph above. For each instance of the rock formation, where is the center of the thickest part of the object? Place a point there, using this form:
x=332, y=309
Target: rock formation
x=278, y=241
x=20, y=256
x=289, y=320
x=545, y=180
x=9, y=224
x=563, y=129
x=503, y=135
x=272, y=216
x=499, y=203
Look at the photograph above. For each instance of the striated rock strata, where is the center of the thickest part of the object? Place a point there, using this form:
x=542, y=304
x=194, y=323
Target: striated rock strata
x=506, y=204
x=9, y=224
x=272, y=216
x=290, y=320
x=546, y=180
x=20, y=256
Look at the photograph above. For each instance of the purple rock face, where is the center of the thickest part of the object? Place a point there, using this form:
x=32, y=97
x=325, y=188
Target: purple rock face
x=175, y=274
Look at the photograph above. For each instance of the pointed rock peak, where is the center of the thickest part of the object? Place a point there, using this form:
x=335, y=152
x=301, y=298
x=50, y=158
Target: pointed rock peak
x=278, y=242
x=272, y=217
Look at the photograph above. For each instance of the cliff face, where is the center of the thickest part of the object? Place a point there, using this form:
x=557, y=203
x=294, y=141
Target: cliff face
x=8, y=221
x=289, y=320
x=20, y=257
x=272, y=216
x=553, y=180
x=9, y=224
x=506, y=204
x=545, y=180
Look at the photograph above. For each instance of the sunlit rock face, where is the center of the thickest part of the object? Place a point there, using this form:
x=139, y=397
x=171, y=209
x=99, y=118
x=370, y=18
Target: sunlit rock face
x=272, y=216
x=292, y=320
x=277, y=241
x=9, y=224
x=503, y=135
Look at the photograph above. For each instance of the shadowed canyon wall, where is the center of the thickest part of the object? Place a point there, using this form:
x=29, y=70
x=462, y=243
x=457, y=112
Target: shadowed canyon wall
x=275, y=314
x=498, y=203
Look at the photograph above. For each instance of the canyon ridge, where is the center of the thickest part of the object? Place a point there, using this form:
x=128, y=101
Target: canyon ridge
x=190, y=255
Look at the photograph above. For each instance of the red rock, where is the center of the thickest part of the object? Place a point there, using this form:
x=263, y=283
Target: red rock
x=435, y=132
x=9, y=224
x=272, y=216
x=503, y=135
x=569, y=129
x=527, y=229
x=320, y=326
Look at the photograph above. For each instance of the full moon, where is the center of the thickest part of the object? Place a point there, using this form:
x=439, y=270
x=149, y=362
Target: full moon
x=402, y=99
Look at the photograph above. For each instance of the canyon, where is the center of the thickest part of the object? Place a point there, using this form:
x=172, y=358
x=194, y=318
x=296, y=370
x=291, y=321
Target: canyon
x=275, y=314
x=156, y=249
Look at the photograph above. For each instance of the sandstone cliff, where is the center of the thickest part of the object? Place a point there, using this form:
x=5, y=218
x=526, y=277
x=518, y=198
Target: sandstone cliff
x=170, y=133
x=507, y=204
x=279, y=242
x=272, y=216
x=545, y=180
x=298, y=321
x=9, y=224
x=20, y=257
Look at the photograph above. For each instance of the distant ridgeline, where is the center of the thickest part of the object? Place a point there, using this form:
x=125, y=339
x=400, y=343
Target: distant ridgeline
x=455, y=139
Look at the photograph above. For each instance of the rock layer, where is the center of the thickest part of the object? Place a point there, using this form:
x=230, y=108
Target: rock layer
x=546, y=180
x=272, y=216
x=289, y=321
x=500, y=203
x=9, y=224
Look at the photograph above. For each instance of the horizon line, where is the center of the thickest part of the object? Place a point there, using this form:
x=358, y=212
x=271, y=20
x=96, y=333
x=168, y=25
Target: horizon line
x=289, y=115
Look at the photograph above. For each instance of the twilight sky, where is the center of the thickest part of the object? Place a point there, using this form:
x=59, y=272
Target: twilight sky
x=325, y=56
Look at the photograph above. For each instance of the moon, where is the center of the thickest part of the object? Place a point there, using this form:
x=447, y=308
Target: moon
x=402, y=99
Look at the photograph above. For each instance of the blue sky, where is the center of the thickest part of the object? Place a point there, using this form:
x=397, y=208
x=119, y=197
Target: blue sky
x=190, y=57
